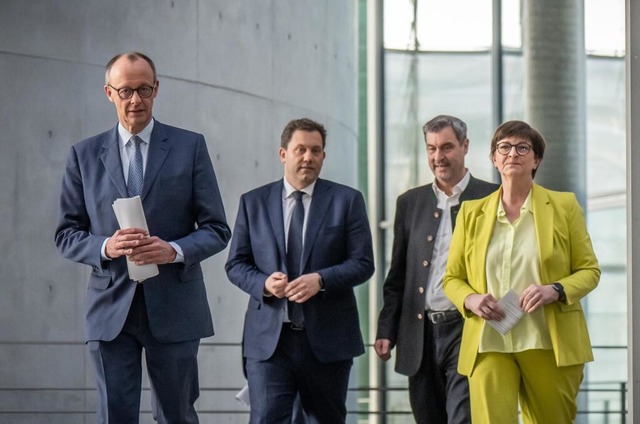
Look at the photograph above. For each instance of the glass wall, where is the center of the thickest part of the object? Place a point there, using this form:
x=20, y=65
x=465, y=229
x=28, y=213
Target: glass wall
x=439, y=62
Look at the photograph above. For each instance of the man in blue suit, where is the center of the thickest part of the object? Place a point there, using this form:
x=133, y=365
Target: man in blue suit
x=301, y=328
x=165, y=315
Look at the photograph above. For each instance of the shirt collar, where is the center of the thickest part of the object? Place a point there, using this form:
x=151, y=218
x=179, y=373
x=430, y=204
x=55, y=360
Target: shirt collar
x=526, y=207
x=125, y=135
x=288, y=188
x=457, y=189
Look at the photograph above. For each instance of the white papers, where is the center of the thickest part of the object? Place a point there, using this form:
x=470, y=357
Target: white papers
x=509, y=304
x=243, y=396
x=129, y=214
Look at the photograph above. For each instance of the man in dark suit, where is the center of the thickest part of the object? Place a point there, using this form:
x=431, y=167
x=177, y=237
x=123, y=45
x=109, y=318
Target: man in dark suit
x=416, y=316
x=166, y=315
x=300, y=246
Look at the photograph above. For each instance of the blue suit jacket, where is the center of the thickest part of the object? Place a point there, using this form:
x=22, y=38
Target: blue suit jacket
x=337, y=246
x=182, y=203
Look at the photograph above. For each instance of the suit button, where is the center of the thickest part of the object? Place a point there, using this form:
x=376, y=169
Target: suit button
x=420, y=290
x=419, y=316
x=425, y=263
x=429, y=237
x=436, y=214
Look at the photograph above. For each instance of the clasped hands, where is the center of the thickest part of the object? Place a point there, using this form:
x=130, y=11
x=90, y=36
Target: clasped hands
x=532, y=298
x=139, y=247
x=299, y=290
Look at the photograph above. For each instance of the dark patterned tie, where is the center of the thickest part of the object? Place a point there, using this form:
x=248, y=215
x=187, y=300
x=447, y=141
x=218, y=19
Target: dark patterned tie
x=136, y=173
x=294, y=254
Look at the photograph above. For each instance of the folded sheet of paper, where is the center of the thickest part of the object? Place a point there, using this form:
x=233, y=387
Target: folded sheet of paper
x=243, y=396
x=509, y=304
x=130, y=214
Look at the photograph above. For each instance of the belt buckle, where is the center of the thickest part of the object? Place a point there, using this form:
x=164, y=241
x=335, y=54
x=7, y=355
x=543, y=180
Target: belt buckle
x=294, y=327
x=436, y=317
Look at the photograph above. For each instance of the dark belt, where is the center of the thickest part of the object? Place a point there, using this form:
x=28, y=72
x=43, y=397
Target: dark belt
x=440, y=317
x=291, y=326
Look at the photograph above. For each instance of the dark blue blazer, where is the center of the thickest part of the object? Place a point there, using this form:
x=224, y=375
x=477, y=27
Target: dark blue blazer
x=337, y=245
x=181, y=202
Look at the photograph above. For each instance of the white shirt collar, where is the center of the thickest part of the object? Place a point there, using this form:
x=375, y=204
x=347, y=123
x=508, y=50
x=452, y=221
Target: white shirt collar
x=145, y=134
x=288, y=188
x=457, y=189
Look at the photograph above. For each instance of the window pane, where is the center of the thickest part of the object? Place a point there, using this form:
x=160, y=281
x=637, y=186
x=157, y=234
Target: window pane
x=454, y=24
x=604, y=23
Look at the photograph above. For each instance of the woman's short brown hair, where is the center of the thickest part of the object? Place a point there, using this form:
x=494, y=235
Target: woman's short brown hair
x=519, y=129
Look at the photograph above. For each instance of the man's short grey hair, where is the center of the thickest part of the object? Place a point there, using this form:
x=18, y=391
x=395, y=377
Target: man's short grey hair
x=132, y=57
x=441, y=122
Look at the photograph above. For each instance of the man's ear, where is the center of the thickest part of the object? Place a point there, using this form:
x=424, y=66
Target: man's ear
x=107, y=91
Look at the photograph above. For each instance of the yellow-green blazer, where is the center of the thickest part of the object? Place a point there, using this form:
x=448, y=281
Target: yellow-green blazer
x=566, y=256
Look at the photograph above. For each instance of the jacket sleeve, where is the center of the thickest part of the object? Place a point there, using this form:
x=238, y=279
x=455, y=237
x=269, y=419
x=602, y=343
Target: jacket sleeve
x=394, y=284
x=358, y=265
x=211, y=232
x=240, y=267
x=585, y=272
x=73, y=236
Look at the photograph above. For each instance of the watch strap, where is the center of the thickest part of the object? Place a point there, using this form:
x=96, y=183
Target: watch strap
x=562, y=297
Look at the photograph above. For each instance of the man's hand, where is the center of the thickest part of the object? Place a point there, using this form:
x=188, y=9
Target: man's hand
x=536, y=296
x=383, y=348
x=303, y=288
x=122, y=242
x=152, y=250
x=275, y=284
x=485, y=306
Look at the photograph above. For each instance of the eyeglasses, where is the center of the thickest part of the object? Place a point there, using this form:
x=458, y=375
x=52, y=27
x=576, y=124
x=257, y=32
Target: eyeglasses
x=521, y=149
x=125, y=93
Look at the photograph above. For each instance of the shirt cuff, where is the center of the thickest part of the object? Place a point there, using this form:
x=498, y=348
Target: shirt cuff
x=179, y=254
x=103, y=250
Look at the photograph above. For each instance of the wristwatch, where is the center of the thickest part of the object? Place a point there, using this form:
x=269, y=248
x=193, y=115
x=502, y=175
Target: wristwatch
x=560, y=289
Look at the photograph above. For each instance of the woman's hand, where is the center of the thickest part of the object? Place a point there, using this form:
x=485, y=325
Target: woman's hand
x=536, y=296
x=485, y=306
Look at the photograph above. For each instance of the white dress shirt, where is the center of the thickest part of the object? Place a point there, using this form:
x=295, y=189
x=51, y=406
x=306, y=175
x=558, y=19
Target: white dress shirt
x=435, y=297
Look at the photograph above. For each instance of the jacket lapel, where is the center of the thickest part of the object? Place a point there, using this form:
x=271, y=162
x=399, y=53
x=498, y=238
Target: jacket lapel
x=318, y=210
x=543, y=218
x=159, y=147
x=110, y=157
x=483, y=232
x=273, y=199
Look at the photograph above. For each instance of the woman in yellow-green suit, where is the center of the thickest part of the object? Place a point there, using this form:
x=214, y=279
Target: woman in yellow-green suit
x=533, y=242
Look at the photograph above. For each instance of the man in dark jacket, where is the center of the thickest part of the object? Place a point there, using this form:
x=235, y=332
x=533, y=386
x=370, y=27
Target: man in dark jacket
x=416, y=315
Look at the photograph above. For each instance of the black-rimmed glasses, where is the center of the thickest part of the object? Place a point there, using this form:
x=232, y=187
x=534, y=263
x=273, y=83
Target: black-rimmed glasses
x=125, y=93
x=521, y=149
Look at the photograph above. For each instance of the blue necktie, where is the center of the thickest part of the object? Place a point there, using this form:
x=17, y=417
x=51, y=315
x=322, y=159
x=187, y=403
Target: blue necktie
x=294, y=254
x=136, y=173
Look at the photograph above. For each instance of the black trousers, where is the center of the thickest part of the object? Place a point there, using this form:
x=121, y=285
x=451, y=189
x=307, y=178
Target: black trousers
x=438, y=394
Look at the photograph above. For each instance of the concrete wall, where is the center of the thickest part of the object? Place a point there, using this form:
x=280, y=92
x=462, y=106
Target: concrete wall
x=236, y=71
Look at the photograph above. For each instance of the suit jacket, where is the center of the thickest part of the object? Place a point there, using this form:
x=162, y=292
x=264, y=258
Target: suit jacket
x=181, y=202
x=566, y=256
x=417, y=219
x=337, y=245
